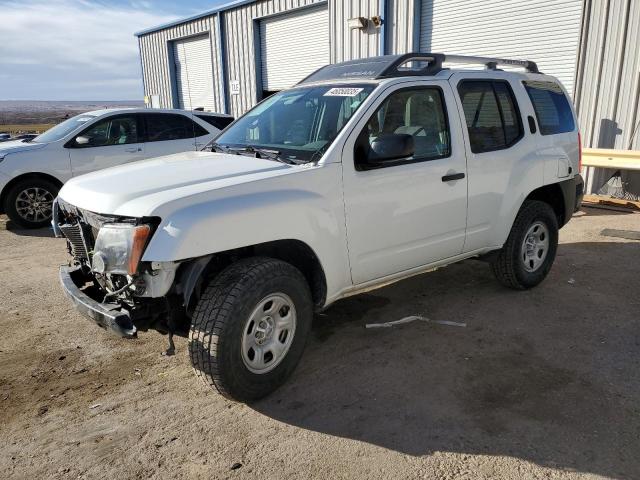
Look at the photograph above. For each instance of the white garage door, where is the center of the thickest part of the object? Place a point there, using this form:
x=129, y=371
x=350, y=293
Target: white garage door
x=194, y=73
x=545, y=31
x=292, y=46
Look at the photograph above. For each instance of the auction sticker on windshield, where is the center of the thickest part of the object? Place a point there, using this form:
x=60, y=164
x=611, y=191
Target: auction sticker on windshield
x=343, y=92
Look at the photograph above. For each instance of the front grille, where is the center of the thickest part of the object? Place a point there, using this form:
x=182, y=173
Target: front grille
x=77, y=234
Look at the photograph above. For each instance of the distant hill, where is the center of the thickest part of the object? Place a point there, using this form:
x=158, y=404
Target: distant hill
x=37, y=115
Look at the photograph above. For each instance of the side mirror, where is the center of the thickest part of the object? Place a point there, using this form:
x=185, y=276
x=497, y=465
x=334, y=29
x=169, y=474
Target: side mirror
x=390, y=146
x=82, y=140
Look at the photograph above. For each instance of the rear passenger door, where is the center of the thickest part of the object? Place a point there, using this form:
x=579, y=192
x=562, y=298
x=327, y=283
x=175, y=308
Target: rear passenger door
x=496, y=145
x=168, y=133
x=410, y=212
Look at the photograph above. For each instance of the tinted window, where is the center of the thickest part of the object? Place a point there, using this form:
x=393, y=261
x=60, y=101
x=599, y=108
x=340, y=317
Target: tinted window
x=418, y=112
x=218, y=122
x=119, y=130
x=552, y=107
x=165, y=126
x=491, y=115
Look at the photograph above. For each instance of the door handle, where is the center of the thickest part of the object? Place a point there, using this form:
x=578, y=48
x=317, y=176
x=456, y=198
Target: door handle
x=133, y=150
x=453, y=176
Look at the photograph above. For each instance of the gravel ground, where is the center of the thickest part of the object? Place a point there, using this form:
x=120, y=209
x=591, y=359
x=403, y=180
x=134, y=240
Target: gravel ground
x=539, y=384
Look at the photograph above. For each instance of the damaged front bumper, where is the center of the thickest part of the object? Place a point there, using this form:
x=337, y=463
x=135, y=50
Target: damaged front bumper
x=110, y=316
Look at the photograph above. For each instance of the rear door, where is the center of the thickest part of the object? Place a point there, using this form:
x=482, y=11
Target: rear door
x=168, y=133
x=109, y=141
x=408, y=212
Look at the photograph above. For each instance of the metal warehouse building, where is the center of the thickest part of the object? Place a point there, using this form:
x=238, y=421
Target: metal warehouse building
x=229, y=58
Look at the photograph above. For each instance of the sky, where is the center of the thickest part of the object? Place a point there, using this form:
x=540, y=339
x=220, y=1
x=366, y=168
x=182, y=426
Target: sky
x=79, y=49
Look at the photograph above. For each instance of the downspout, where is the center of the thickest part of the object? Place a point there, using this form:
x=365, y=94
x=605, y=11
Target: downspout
x=383, y=7
x=222, y=61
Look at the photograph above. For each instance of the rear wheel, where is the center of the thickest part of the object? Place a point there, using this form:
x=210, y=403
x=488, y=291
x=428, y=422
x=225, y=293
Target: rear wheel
x=250, y=327
x=528, y=254
x=29, y=203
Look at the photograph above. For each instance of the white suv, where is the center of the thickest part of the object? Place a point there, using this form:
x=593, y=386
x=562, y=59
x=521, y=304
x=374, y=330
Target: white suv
x=365, y=173
x=33, y=170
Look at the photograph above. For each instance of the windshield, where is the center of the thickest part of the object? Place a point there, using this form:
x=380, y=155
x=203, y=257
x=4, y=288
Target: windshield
x=63, y=129
x=299, y=124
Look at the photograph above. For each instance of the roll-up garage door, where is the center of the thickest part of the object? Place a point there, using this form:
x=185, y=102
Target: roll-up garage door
x=545, y=31
x=292, y=46
x=194, y=73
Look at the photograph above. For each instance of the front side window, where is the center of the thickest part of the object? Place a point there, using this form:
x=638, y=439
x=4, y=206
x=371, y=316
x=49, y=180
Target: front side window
x=167, y=126
x=491, y=115
x=298, y=124
x=552, y=107
x=120, y=130
x=418, y=112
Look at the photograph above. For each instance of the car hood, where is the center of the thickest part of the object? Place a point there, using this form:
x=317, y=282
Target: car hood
x=137, y=189
x=15, y=146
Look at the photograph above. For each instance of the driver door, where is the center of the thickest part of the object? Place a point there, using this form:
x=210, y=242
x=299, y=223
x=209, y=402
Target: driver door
x=110, y=141
x=408, y=212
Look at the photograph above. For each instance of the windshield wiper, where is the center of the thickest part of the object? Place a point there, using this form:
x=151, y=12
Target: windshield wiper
x=260, y=152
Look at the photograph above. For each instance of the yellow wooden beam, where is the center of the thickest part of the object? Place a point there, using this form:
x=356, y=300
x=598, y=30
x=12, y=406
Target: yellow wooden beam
x=607, y=158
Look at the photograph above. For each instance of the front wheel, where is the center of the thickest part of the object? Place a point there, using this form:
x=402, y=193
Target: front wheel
x=250, y=327
x=29, y=203
x=529, y=252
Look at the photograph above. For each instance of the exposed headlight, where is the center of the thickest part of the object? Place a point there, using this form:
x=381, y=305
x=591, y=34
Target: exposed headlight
x=119, y=248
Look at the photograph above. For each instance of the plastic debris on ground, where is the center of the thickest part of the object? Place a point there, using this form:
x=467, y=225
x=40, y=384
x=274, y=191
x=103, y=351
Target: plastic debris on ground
x=413, y=318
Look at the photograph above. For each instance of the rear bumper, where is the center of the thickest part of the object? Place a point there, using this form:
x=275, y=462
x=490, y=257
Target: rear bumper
x=110, y=316
x=579, y=183
x=573, y=192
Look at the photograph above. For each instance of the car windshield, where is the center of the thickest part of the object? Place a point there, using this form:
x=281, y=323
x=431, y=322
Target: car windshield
x=296, y=125
x=63, y=129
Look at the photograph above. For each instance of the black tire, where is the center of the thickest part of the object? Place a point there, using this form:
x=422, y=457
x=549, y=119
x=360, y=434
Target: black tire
x=32, y=183
x=509, y=267
x=221, y=318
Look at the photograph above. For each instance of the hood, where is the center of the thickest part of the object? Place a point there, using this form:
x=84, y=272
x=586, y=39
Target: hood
x=15, y=146
x=152, y=182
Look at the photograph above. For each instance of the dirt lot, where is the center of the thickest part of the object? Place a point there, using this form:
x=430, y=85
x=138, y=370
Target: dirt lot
x=539, y=384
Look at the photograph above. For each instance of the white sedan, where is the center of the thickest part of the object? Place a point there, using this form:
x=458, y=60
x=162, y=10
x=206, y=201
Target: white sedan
x=32, y=171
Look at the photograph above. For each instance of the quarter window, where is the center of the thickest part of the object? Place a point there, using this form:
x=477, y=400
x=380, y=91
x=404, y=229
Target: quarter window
x=491, y=115
x=552, y=107
x=418, y=112
x=166, y=126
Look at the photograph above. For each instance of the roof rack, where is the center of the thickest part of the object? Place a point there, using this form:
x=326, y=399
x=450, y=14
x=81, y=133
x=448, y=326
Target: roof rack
x=389, y=66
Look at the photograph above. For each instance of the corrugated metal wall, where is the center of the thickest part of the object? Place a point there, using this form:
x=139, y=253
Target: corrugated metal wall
x=240, y=48
x=607, y=94
x=347, y=43
x=154, y=55
x=400, y=24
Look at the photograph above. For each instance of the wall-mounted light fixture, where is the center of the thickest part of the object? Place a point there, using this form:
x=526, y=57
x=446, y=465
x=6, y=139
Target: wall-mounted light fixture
x=359, y=23
x=377, y=21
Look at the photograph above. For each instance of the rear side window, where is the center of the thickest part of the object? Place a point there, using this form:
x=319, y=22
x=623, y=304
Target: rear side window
x=167, y=126
x=219, y=122
x=491, y=115
x=552, y=107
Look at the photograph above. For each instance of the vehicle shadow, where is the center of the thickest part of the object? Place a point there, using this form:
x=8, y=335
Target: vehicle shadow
x=46, y=232
x=548, y=375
